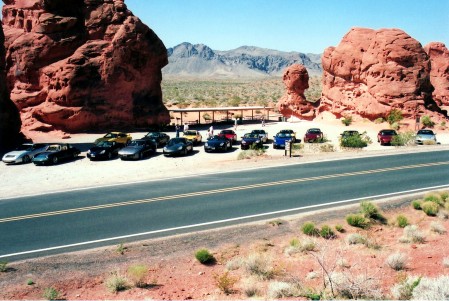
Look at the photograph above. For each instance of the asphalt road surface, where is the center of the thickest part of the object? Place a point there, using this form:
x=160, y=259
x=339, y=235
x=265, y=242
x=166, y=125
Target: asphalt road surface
x=34, y=226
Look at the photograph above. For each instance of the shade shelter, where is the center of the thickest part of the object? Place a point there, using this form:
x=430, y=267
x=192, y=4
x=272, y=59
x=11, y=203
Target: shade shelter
x=242, y=110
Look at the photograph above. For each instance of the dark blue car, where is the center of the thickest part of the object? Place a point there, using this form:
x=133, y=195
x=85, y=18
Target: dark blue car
x=280, y=139
x=251, y=140
x=217, y=143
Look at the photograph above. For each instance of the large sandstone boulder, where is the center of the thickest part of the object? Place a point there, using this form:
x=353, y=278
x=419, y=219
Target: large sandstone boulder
x=9, y=115
x=372, y=72
x=294, y=102
x=82, y=64
x=439, y=72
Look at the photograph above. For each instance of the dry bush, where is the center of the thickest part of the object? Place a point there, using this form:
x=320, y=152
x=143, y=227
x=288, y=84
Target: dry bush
x=361, y=286
x=297, y=246
x=343, y=263
x=356, y=238
x=281, y=289
x=396, y=261
x=260, y=265
x=404, y=289
x=137, y=274
x=412, y=234
x=432, y=289
x=437, y=227
x=116, y=283
x=251, y=287
x=225, y=282
x=235, y=263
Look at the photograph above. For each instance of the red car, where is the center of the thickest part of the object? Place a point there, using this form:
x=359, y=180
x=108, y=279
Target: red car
x=313, y=134
x=229, y=134
x=385, y=136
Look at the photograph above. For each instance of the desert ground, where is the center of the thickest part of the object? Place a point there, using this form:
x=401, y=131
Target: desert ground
x=173, y=273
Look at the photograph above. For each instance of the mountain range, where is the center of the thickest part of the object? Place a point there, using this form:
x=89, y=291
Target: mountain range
x=200, y=60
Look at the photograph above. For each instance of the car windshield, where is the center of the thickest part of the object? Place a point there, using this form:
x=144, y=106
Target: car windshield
x=350, y=133
x=258, y=132
x=151, y=135
x=284, y=135
x=25, y=147
x=388, y=132
x=314, y=131
x=425, y=132
x=110, y=135
x=216, y=137
x=54, y=148
x=226, y=132
x=190, y=133
x=251, y=135
x=105, y=144
x=175, y=141
x=286, y=131
x=137, y=143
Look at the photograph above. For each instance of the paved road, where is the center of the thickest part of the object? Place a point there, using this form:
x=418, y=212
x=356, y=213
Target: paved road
x=54, y=223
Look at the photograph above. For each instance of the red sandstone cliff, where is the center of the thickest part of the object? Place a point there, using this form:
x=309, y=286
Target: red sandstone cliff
x=82, y=64
x=439, y=73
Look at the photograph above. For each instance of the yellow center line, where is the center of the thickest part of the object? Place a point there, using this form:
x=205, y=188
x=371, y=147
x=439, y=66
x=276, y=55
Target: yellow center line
x=216, y=191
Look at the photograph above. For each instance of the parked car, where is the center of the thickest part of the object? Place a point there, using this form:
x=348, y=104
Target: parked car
x=347, y=134
x=250, y=139
x=281, y=138
x=24, y=153
x=313, y=135
x=218, y=143
x=193, y=136
x=178, y=146
x=104, y=150
x=425, y=136
x=291, y=132
x=161, y=139
x=229, y=134
x=118, y=137
x=262, y=135
x=385, y=136
x=137, y=149
x=56, y=153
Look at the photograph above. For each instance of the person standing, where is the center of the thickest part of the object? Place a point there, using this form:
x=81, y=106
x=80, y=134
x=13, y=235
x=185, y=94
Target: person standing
x=235, y=124
x=177, y=131
x=263, y=121
x=211, y=130
x=186, y=127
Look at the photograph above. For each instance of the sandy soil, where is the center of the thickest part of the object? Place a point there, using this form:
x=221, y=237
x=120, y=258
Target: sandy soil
x=172, y=271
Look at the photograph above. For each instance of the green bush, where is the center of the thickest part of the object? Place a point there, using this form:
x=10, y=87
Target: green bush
x=403, y=139
x=430, y=208
x=327, y=232
x=339, y=228
x=444, y=196
x=355, y=141
x=402, y=221
x=138, y=273
x=379, y=120
x=204, y=256
x=116, y=283
x=3, y=266
x=357, y=220
x=309, y=228
x=347, y=120
x=371, y=211
x=427, y=121
x=395, y=116
x=30, y=282
x=434, y=197
x=416, y=204
x=50, y=293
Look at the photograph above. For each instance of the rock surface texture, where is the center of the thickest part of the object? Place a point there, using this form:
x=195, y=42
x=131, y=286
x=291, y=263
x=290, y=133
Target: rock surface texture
x=372, y=72
x=82, y=65
x=9, y=115
x=294, y=103
x=439, y=73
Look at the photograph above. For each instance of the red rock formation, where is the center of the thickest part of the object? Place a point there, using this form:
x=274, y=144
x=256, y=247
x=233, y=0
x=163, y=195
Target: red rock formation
x=372, y=72
x=9, y=115
x=294, y=103
x=439, y=72
x=82, y=64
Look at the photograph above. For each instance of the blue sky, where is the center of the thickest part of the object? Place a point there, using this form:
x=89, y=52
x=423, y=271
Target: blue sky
x=289, y=25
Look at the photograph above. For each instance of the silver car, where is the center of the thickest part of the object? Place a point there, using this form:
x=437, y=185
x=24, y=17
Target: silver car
x=425, y=135
x=24, y=153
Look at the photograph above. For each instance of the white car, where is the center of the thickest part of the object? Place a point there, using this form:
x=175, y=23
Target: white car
x=24, y=153
x=425, y=136
x=262, y=135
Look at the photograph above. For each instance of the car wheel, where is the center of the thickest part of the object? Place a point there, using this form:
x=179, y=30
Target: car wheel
x=75, y=155
x=55, y=160
x=109, y=156
x=185, y=152
x=26, y=159
x=141, y=156
x=226, y=148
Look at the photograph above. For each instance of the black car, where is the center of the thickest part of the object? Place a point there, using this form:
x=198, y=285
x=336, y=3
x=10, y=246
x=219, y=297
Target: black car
x=56, y=153
x=178, y=146
x=104, y=150
x=160, y=138
x=217, y=143
x=251, y=140
x=137, y=149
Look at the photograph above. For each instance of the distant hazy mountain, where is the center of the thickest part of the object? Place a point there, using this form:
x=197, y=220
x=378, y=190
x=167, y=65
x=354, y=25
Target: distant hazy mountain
x=199, y=60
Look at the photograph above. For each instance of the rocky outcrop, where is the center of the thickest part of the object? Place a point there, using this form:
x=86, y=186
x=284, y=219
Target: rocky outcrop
x=439, y=72
x=294, y=102
x=372, y=72
x=82, y=64
x=9, y=115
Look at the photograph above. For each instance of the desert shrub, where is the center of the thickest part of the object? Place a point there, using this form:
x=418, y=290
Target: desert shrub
x=379, y=120
x=443, y=214
x=356, y=238
x=371, y=211
x=355, y=141
x=251, y=288
x=401, y=221
x=308, y=228
x=444, y=195
x=404, y=289
x=346, y=120
x=416, y=204
x=308, y=245
x=204, y=256
x=121, y=249
x=396, y=261
x=50, y=293
x=250, y=153
x=30, y=282
x=327, y=148
x=434, y=197
x=116, y=283
x=357, y=220
x=297, y=246
x=412, y=234
x=234, y=263
x=446, y=262
x=327, y=232
x=430, y=208
x=3, y=266
x=395, y=115
x=281, y=289
x=349, y=286
x=437, y=227
x=225, y=282
x=312, y=275
x=260, y=265
x=137, y=274
x=339, y=228
x=403, y=139
x=427, y=121
x=432, y=289
x=395, y=126
x=343, y=263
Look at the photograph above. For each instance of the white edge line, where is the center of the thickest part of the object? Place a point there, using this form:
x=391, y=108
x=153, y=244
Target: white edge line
x=210, y=173
x=223, y=221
